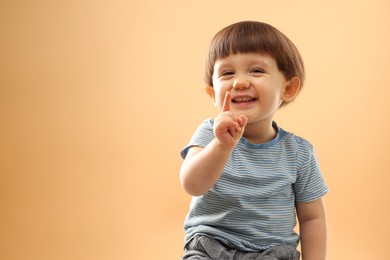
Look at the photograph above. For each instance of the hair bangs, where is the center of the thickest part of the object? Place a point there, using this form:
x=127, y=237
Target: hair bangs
x=238, y=40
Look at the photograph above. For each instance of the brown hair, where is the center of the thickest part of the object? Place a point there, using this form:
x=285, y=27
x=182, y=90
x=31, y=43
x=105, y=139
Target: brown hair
x=258, y=37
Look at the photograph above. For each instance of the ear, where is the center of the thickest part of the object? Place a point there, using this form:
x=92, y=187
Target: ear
x=210, y=92
x=291, y=89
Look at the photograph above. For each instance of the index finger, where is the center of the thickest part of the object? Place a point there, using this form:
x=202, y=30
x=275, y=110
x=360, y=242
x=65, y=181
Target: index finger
x=227, y=102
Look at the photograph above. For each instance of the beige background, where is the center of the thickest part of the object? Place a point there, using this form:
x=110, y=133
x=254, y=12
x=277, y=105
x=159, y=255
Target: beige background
x=98, y=97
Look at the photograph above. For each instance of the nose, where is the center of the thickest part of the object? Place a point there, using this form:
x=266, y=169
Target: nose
x=241, y=83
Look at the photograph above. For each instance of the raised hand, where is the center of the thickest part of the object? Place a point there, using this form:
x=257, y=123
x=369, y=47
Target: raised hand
x=228, y=127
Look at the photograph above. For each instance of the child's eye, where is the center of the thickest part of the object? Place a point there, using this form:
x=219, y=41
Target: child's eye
x=226, y=73
x=257, y=70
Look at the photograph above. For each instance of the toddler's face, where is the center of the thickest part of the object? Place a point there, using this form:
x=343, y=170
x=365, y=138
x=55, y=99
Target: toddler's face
x=255, y=82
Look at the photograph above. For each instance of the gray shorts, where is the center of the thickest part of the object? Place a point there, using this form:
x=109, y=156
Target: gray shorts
x=202, y=248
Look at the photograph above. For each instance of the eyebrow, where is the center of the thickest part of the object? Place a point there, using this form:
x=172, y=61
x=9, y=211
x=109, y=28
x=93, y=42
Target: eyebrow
x=262, y=63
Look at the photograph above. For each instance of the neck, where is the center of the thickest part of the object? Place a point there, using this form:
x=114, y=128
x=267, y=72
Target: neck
x=260, y=133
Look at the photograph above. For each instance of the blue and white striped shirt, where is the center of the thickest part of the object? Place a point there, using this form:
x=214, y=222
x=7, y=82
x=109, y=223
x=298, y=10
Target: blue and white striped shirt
x=252, y=205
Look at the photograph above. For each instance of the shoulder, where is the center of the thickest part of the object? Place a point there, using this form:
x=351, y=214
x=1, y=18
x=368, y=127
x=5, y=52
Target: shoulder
x=208, y=123
x=205, y=128
x=202, y=136
x=299, y=146
x=298, y=142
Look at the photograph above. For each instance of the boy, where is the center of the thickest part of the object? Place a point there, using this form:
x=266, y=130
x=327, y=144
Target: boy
x=247, y=175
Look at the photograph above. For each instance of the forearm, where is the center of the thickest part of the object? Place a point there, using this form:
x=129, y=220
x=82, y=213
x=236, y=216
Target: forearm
x=313, y=239
x=202, y=170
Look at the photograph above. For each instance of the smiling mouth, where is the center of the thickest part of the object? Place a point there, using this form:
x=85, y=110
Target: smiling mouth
x=239, y=100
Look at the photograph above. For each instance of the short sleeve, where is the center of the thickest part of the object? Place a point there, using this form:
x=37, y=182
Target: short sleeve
x=202, y=137
x=310, y=184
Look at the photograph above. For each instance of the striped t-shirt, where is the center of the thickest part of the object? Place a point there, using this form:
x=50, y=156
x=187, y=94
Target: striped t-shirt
x=252, y=205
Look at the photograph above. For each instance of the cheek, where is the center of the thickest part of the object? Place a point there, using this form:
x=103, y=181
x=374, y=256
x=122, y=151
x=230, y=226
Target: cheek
x=219, y=101
x=271, y=97
x=219, y=97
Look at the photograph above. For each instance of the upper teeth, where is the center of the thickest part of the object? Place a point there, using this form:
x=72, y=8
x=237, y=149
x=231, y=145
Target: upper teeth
x=243, y=99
